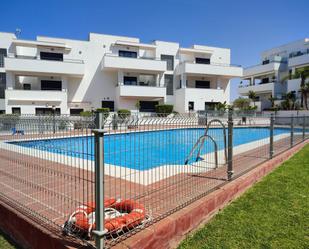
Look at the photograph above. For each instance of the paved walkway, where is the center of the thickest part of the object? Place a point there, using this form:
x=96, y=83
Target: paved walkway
x=50, y=191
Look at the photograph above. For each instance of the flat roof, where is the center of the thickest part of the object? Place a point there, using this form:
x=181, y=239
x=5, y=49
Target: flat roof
x=194, y=50
x=41, y=43
x=135, y=44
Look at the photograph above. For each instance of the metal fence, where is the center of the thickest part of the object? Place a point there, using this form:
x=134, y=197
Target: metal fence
x=105, y=177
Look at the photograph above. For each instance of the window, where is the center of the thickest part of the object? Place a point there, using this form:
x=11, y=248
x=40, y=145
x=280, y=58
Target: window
x=191, y=106
x=51, y=56
x=27, y=86
x=264, y=80
x=132, y=81
x=47, y=111
x=147, y=80
x=168, y=81
x=210, y=105
x=169, y=61
x=16, y=110
x=202, y=84
x=52, y=85
x=202, y=60
x=265, y=62
x=3, y=54
x=76, y=112
x=148, y=106
x=108, y=104
x=2, y=85
x=130, y=54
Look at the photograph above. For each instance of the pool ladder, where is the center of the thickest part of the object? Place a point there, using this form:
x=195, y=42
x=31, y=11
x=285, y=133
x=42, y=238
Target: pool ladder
x=201, y=141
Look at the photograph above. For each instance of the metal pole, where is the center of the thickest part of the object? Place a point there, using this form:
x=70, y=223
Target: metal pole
x=99, y=187
x=54, y=120
x=271, y=136
x=304, y=127
x=230, y=171
x=292, y=130
x=98, y=120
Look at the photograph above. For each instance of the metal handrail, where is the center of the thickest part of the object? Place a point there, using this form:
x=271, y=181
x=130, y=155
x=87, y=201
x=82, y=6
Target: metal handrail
x=224, y=135
x=203, y=138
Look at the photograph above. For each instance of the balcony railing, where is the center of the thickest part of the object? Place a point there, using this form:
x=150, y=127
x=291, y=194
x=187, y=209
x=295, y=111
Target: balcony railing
x=299, y=53
x=256, y=84
x=269, y=62
x=211, y=63
x=133, y=58
x=27, y=57
x=150, y=84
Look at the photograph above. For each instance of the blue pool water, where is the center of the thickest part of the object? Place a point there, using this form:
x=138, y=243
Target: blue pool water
x=145, y=150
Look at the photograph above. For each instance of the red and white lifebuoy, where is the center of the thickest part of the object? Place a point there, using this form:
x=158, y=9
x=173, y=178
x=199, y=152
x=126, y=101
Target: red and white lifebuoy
x=131, y=214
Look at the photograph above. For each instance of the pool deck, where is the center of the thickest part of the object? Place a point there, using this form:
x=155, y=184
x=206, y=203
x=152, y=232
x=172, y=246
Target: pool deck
x=50, y=190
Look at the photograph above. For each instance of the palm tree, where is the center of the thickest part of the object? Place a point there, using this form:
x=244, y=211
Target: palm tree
x=302, y=74
x=272, y=100
x=252, y=96
x=291, y=97
x=305, y=92
x=241, y=103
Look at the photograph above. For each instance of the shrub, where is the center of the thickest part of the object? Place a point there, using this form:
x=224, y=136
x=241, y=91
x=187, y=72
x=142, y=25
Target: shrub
x=105, y=112
x=241, y=103
x=164, y=110
x=86, y=114
x=124, y=113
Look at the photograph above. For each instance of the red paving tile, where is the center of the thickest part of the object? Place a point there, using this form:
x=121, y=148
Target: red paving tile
x=53, y=190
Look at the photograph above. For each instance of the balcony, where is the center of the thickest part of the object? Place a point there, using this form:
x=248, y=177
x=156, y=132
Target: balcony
x=114, y=62
x=259, y=88
x=33, y=65
x=37, y=96
x=206, y=95
x=210, y=69
x=262, y=69
x=300, y=60
x=141, y=91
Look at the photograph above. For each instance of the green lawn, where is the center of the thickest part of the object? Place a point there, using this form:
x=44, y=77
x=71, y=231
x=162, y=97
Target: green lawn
x=5, y=243
x=272, y=214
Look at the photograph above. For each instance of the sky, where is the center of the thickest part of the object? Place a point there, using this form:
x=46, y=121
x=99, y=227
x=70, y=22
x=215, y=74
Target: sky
x=247, y=27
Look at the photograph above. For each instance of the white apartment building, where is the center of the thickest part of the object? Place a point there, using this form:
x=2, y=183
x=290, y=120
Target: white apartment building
x=272, y=76
x=110, y=71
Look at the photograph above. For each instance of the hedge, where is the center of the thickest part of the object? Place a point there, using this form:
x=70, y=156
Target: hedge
x=164, y=109
x=124, y=113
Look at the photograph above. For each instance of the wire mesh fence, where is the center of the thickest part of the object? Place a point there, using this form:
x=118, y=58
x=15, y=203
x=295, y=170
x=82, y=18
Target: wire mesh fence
x=150, y=165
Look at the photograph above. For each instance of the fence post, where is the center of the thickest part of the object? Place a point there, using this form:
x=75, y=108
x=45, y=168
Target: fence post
x=304, y=127
x=271, y=136
x=99, y=187
x=292, y=131
x=98, y=120
x=230, y=145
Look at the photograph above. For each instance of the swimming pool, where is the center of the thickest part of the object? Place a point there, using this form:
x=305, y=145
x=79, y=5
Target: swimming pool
x=149, y=149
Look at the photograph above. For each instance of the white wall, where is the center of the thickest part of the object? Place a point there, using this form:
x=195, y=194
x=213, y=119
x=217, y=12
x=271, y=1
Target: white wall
x=95, y=85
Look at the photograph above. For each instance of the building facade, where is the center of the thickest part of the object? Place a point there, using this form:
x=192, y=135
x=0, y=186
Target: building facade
x=272, y=78
x=117, y=72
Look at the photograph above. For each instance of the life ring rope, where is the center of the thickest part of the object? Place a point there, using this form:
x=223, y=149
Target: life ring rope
x=119, y=215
